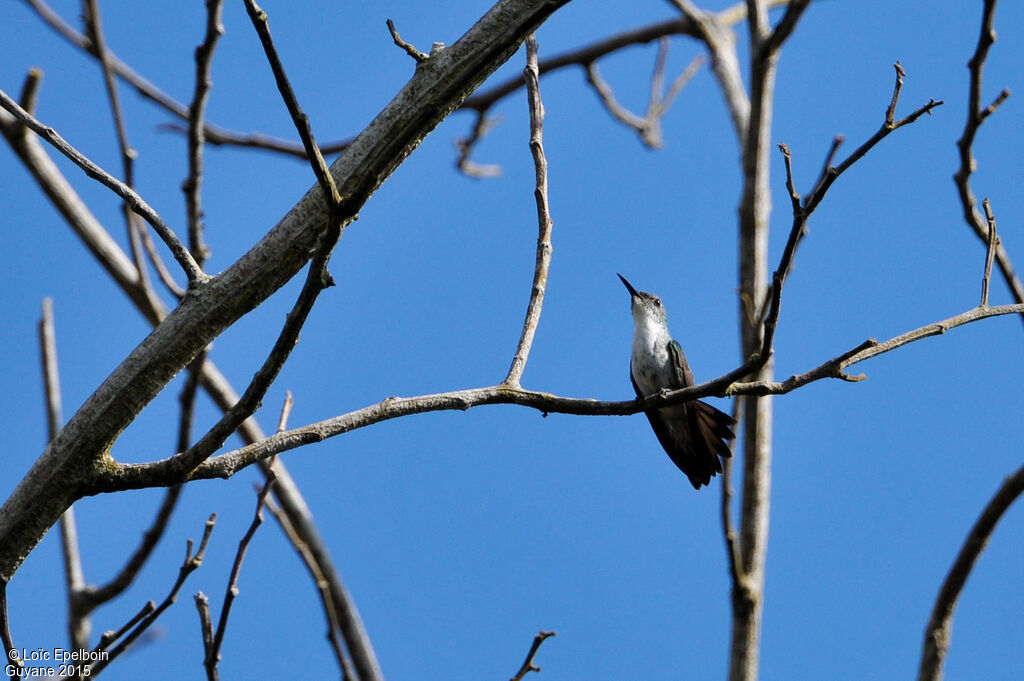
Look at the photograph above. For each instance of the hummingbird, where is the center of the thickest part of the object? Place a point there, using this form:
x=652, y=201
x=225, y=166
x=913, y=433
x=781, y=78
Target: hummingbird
x=695, y=435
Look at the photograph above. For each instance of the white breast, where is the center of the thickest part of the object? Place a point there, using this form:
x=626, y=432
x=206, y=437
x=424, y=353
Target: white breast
x=650, y=363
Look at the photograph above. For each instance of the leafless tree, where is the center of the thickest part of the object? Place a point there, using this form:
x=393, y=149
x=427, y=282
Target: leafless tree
x=78, y=462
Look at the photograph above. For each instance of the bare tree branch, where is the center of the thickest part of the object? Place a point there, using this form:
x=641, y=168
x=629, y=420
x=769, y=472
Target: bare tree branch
x=79, y=625
x=976, y=115
x=157, y=473
x=206, y=628
x=323, y=587
x=786, y=26
x=695, y=26
x=137, y=203
x=213, y=651
x=93, y=596
x=540, y=271
x=196, y=139
x=420, y=57
x=120, y=268
x=732, y=550
x=317, y=279
x=464, y=147
x=110, y=637
x=190, y=564
x=714, y=31
x=588, y=54
x=528, y=664
x=802, y=210
x=286, y=410
x=939, y=630
x=214, y=134
x=94, y=29
x=10, y=650
x=43, y=494
x=647, y=126
x=990, y=252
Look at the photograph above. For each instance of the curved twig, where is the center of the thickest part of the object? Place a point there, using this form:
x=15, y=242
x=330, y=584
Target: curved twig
x=938, y=631
x=540, y=271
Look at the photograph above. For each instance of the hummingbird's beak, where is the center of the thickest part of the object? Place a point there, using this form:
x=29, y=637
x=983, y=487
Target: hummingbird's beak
x=629, y=287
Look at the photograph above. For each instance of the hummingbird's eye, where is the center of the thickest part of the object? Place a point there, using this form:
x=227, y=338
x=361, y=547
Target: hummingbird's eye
x=657, y=302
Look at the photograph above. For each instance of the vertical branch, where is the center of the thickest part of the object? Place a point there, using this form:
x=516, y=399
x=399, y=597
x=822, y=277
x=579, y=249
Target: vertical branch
x=78, y=619
x=976, y=115
x=196, y=131
x=13, y=660
x=328, y=595
x=732, y=553
x=754, y=214
x=540, y=272
x=213, y=650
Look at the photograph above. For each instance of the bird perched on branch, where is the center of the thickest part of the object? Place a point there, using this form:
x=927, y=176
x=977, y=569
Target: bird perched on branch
x=695, y=435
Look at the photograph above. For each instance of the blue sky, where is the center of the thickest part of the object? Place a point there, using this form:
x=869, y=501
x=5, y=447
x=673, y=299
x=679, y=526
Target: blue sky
x=463, y=534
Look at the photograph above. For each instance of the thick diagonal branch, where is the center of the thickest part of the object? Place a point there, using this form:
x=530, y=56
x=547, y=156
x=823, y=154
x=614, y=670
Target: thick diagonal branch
x=81, y=451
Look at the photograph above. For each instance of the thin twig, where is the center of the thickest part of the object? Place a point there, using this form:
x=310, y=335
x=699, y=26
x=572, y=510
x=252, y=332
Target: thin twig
x=188, y=566
x=109, y=637
x=661, y=105
x=286, y=410
x=732, y=549
x=51, y=377
x=826, y=167
x=648, y=126
x=5, y=631
x=802, y=210
x=213, y=654
x=420, y=57
x=29, y=96
x=300, y=120
x=528, y=665
x=939, y=629
x=196, y=139
x=206, y=629
x=164, y=274
x=464, y=147
x=322, y=587
x=990, y=252
x=787, y=158
x=975, y=117
x=138, y=204
x=540, y=193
